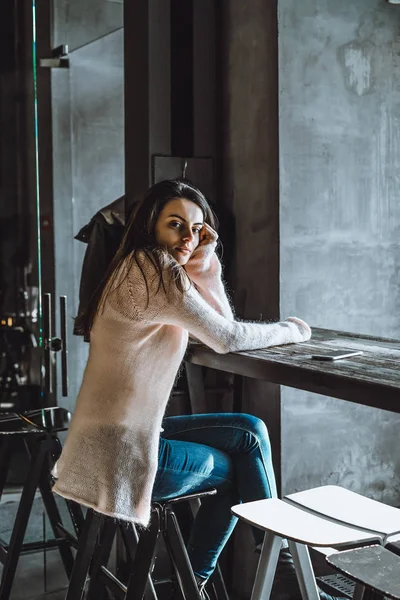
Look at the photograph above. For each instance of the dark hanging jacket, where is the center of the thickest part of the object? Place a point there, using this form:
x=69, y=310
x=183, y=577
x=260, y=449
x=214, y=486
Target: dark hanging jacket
x=102, y=234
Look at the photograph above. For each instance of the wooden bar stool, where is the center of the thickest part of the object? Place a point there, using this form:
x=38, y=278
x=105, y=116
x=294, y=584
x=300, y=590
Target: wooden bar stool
x=42, y=447
x=95, y=545
x=373, y=568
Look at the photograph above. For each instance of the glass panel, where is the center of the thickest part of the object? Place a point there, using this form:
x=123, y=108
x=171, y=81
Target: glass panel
x=20, y=286
x=37, y=193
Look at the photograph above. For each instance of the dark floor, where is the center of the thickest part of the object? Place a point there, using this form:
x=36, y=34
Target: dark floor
x=39, y=576
x=30, y=583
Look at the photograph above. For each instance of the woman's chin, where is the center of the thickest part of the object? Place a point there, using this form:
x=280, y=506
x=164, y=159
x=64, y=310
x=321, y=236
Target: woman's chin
x=180, y=258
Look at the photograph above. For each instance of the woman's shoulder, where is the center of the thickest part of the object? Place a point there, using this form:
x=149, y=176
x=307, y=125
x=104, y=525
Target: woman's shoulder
x=149, y=263
x=156, y=270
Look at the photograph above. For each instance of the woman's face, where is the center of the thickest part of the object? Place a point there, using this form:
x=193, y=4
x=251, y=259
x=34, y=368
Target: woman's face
x=178, y=228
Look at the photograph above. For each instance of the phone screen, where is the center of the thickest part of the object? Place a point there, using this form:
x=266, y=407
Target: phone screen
x=336, y=354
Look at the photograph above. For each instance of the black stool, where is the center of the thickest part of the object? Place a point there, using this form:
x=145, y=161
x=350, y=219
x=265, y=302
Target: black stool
x=95, y=546
x=42, y=447
x=373, y=568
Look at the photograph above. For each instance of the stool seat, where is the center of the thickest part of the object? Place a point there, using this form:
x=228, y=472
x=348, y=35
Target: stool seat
x=11, y=424
x=373, y=567
x=52, y=419
x=294, y=523
x=349, y=507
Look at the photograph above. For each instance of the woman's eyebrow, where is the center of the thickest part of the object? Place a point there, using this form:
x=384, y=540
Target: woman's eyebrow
x=182, y=219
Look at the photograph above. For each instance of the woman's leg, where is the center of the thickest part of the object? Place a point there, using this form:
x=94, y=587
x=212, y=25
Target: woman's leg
x=185, y=467
x=245, y=439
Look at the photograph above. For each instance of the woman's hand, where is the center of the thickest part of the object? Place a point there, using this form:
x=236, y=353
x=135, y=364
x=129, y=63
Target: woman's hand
x=204, y=261
x=304, y=330
x=207, y=236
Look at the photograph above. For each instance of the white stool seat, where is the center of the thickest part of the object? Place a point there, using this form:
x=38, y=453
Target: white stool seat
x=324, y=517
x=349, y=507
x=294, y=523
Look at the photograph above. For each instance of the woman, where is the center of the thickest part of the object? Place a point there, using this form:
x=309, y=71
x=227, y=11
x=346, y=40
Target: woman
x=164, y=284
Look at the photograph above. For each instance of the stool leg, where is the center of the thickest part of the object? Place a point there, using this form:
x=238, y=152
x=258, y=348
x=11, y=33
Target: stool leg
x=55, y=518
x=86, y=545
x=304, y=571
x=359, y=591
x=74, y=509
x=142, y=565
x=97, y=590
x=5, y=457
x=179, y=556
x=266, y=567
x=21, y=521
x=131, y=540
x=218, y=584
x=76, y=515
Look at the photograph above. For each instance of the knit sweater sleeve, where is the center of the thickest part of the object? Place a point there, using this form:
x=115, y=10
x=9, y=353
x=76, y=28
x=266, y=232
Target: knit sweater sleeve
x=167, y=305
x=205, y=270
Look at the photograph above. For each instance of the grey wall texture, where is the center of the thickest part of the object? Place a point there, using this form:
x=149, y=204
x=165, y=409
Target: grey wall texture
x=340, y=223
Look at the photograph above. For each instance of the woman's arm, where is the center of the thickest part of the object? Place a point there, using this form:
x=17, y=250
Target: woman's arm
x=190, y=311
x=204, y=269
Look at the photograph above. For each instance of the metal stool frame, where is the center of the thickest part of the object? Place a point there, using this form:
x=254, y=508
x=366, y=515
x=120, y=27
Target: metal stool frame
x=42, y=448
x=95, y=546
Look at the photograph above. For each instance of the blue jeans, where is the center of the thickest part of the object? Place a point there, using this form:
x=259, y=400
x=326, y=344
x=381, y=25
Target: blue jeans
x=228, y=451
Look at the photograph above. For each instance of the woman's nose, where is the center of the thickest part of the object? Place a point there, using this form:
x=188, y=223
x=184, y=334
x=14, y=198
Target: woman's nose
x=188, y=235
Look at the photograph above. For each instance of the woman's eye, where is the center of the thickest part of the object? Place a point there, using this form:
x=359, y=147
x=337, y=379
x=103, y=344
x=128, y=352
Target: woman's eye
x=175, y=224
x=196, y=230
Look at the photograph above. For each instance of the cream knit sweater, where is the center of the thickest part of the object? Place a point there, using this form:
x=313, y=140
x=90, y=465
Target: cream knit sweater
x=137, y=343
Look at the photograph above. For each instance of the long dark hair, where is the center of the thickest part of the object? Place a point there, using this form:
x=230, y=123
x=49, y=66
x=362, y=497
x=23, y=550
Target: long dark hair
x=139, y=236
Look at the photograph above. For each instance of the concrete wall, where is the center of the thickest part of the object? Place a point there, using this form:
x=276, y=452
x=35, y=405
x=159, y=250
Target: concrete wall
x=316, y=232
x=340, y=223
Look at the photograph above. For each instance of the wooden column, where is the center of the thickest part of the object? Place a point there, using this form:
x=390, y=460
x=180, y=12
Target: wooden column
x=249, y=157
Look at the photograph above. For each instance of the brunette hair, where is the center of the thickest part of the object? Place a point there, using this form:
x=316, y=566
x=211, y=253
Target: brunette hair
x=139, y=235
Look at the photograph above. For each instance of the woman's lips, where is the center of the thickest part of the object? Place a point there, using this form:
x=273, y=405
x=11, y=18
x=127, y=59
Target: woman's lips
x=183, y=250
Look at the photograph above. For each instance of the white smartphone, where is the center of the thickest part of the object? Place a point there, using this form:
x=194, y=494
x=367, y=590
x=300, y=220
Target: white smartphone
x=336, y=355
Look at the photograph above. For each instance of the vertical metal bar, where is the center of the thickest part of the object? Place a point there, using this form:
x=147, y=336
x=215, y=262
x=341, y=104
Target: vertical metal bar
x=64, y=350
x=46, y=342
